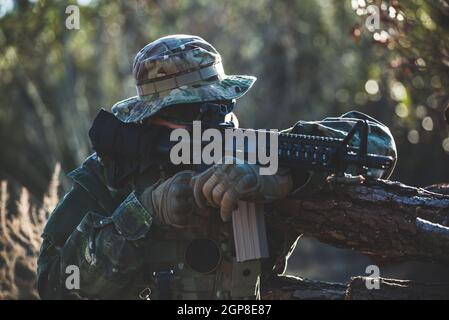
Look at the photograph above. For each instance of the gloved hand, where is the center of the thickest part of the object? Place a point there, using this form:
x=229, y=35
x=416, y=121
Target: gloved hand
x=172, y=202
x=222, y=185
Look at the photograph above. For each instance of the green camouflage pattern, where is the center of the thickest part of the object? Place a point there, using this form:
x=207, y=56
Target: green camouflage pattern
x=174, y=55
x=171, y=55
x=131, y=219
x=136, y=110
x=112, y=238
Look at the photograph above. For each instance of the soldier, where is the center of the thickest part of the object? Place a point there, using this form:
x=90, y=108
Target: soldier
x=149, y=236
x=164, y=233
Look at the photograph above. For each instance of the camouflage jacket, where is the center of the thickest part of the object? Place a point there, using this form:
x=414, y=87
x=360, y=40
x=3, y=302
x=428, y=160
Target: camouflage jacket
x=111, y=239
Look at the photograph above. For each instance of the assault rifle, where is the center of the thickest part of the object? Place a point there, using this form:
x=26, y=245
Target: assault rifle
x=294, y=151
x=329, y=155
x=132, y=148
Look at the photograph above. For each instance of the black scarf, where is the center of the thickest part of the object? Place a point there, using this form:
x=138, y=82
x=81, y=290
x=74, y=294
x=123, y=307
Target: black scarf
x=126, y=148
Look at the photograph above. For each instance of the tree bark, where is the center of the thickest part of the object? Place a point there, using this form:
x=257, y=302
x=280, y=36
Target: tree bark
x=383, y=219
x=293, y=288
x=391, y=289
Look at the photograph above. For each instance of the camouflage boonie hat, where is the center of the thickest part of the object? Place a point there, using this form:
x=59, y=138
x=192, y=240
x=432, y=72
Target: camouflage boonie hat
x=178, y=69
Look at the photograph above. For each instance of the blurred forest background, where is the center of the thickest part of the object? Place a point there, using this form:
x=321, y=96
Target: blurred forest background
x=313, y=58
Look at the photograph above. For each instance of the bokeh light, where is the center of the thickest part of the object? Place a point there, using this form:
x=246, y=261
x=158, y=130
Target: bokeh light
x=413, y=136
x=372, y=87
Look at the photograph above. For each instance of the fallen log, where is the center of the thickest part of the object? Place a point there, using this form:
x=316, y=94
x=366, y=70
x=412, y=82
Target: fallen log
x=387, y=220
x=391, y=289
x=294, y=288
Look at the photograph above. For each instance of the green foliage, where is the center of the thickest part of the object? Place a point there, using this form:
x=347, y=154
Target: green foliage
x=413, y=44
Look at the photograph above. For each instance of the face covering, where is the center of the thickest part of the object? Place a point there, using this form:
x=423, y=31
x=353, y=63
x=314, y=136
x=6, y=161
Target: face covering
x=126, y=148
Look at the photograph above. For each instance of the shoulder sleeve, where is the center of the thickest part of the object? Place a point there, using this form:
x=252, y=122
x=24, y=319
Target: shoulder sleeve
x=103, y=241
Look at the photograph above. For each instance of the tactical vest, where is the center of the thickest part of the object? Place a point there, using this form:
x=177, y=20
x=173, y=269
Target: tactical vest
x=196, y=263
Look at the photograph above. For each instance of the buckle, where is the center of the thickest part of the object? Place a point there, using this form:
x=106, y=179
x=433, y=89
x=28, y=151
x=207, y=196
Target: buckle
x=145, y=294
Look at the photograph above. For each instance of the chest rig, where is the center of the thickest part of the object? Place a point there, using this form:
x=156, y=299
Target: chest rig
x=195, y=263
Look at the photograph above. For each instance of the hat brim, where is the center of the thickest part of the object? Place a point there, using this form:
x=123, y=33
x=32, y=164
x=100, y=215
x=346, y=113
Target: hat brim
x=136, y=109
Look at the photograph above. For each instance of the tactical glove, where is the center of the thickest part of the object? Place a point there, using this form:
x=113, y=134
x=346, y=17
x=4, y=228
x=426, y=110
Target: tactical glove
x=172, y=202
x=222, y=185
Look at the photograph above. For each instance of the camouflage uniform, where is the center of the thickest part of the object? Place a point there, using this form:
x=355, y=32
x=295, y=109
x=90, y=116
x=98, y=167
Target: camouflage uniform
x=122, y=252
x=111, y=236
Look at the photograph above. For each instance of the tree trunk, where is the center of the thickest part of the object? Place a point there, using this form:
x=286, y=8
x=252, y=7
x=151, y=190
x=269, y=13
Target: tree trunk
x=386, y=220
x=390, y=289
x=293, y=288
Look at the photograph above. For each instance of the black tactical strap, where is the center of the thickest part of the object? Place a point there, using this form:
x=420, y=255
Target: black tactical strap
x=164, y=282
